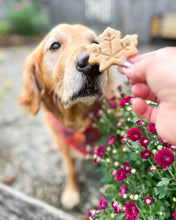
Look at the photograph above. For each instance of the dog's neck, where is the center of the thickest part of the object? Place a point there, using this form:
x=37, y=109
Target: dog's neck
x=75, y=117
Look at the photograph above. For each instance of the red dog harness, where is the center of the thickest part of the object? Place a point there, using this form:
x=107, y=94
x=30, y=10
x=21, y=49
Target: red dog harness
x=76, y=139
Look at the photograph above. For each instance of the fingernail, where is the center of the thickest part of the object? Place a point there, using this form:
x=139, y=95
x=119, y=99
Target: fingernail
x=128, y=64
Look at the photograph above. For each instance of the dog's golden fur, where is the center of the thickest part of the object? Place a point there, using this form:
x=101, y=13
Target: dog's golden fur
x=51, y=79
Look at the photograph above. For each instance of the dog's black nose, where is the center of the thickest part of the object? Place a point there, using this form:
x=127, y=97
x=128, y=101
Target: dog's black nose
x=83, y=65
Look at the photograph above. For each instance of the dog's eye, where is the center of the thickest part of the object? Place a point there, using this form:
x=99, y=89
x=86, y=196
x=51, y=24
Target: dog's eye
x=55, y=46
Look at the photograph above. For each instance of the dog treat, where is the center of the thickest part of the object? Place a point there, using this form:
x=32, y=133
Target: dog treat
x=112, y=49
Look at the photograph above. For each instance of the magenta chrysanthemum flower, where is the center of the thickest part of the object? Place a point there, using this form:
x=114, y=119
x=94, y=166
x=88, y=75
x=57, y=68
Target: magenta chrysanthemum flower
x=129, y=218
x=112, y=140
x=134, y=134
x=114, y=204
x=145, y=154
x=125, y=100
x=127, y=167
x=120, y=175
x=151, y=128
x=139, y=122
x=91, y=213
x=117, y=209
x=164, y=158
x=131, y=210
x=174, y=214
x=144, y=141
x=148, y=200
x=102, y=204
x=123, y=189
x=113, y=105
x=101, y=151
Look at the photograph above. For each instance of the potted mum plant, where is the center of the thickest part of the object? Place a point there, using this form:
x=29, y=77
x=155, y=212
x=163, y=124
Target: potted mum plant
x=138, y=167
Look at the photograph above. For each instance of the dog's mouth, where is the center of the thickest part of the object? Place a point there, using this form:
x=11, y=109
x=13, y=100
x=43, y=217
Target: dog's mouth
x=90, y=89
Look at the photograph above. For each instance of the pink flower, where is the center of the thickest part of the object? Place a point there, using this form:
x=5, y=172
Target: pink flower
x=123, y=189
x=91, y=213
x=97, y=160
x=125, y=100
x=102, y=204
x=122, y=94
x=134, y=134
x=114, y=204
x=146, y=154
x=174, y=214
x=144, y=141
x=117, y=209
x=139, y=122
x=112, y=140
x=164, y=158
x=172, y=147
x=123, y=139
x=100, y=151
x=127, y=167
x=151, y=128
x=162, y=141
x=113, y=172
x=120, y=175
x=152, y=169
x=148, y=200
x=131, y=210
x=113, y=105
x=113, y=98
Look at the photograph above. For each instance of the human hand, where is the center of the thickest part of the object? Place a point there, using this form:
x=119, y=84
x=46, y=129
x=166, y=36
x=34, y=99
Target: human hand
x=153, y=77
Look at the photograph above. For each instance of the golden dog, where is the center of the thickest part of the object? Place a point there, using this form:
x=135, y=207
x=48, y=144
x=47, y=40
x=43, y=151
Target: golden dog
x=58, y=77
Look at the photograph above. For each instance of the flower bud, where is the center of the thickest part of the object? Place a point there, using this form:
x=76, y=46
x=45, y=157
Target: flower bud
x=174, y=199
x=124, y=195
x=116, y=163
x=114, y=151
x=136, y=197
x=152, y=169
x=133, y=171
x=128, y=119
x=107, y=160
x=161, y=213
x=159, y=147
x=91, y=213
x=112, y=215
x=154, y=151
x=113, y=172
x=131, y=196
x=108, y=148
x=129, y=109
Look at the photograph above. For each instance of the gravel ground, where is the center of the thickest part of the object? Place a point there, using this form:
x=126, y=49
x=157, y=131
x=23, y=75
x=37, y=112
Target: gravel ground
x=27, y=162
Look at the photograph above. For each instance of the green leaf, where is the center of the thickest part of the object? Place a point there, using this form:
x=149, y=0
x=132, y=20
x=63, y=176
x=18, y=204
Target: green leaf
x=164, y=181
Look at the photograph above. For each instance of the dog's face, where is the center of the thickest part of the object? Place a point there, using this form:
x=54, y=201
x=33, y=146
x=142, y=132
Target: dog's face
x=62, y=65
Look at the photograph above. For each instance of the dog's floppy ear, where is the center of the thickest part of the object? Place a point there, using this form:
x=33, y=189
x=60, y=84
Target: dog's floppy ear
x=33, y=85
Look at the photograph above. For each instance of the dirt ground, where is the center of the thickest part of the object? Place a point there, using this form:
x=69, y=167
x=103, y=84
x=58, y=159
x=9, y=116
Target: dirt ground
x=26, y=160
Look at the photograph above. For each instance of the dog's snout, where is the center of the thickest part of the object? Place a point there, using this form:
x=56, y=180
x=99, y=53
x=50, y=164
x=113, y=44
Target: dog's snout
x=83, y=65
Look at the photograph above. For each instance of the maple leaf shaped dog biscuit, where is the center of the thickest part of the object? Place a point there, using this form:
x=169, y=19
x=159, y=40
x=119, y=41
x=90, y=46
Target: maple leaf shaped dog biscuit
x=112, y=49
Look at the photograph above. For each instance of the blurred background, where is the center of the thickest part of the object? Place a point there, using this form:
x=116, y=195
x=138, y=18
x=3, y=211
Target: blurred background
x=28, y=160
